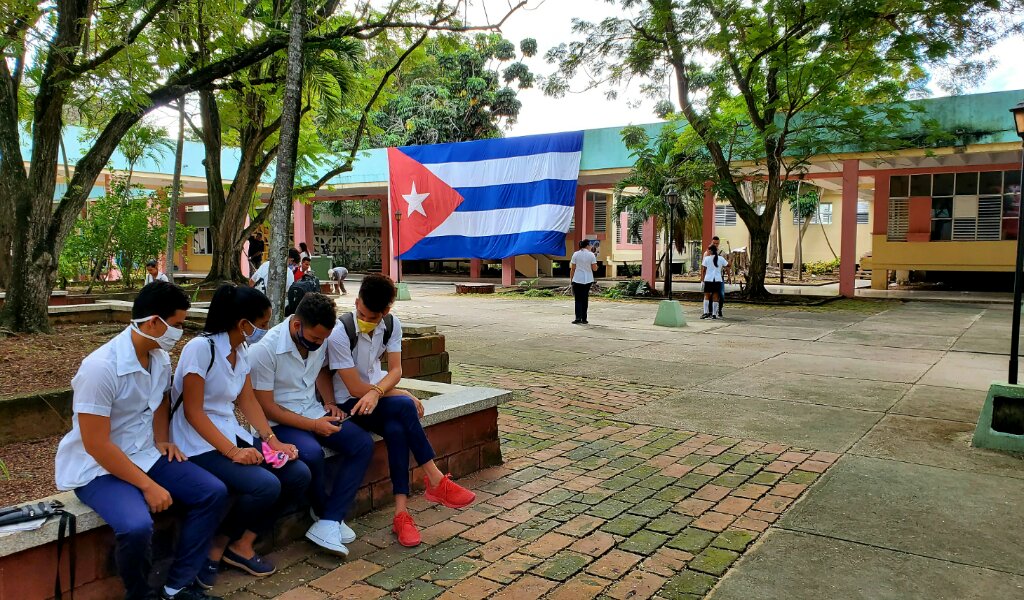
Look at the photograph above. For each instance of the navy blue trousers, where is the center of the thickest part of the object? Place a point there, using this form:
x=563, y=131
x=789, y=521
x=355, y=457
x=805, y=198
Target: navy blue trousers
x=260, y=492
x=395, y=419
x=124, y=508
x=355, y=447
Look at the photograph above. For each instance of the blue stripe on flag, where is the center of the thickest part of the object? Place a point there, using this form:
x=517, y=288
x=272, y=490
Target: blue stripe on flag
x=497, y=148
x=490, y=247
x=520, y=195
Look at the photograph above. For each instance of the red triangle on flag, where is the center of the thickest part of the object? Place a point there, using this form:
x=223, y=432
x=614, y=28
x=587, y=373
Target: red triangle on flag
x=420, y=196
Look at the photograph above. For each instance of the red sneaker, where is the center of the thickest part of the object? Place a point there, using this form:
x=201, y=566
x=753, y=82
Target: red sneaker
x=449, y=493
x=405, y=529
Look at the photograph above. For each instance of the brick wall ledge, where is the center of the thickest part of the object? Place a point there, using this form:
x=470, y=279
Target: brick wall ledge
x=442, y=403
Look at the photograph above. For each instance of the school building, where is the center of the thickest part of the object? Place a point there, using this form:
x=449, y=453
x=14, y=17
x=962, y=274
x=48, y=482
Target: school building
x=931, y=209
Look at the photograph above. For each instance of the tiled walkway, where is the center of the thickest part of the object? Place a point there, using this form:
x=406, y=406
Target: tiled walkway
x=584, y=506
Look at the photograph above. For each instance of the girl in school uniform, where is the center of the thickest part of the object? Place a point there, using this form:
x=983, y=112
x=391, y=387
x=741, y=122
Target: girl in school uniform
x=211, y=378
x=711, y=274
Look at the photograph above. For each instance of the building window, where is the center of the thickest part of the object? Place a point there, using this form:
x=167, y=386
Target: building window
x=974, y=206
x=725, y=215
x=863, y=212
x=822, y=217
x=624, y=231
x=201, y=242
x=600, y=202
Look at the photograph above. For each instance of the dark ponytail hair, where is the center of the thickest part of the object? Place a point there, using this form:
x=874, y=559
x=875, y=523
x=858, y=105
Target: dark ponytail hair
x=231, y=304
x=713, y=249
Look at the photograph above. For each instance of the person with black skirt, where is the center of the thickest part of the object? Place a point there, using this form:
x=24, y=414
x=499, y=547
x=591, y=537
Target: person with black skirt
x=581, y=272
x=711, y=270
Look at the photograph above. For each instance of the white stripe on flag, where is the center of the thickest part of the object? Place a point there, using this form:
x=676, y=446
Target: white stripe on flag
x=505, y=221
x=503, y=171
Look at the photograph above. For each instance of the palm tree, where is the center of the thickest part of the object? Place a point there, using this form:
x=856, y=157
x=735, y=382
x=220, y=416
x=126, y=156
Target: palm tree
x=656, y=162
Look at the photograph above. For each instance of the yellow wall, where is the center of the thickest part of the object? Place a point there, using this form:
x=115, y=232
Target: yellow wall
x=816, y=239
x=943, y=256
x=197, y=264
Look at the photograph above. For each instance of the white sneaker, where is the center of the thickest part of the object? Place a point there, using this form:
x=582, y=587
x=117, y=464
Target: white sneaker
x=347, y=535
x=327, y=534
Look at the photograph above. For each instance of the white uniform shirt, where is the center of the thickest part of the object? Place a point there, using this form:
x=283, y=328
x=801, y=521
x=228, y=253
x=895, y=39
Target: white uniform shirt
x=277, y=366
x=111, y=383
x=222, y=384
x=712, y=272
x=584, y=260
x=369, y=348
x=159, y=277
x=262, y=276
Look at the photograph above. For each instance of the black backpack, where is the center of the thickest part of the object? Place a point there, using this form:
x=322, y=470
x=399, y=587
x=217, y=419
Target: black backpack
x=308, y=283
x=348, y=321
x=66, y=529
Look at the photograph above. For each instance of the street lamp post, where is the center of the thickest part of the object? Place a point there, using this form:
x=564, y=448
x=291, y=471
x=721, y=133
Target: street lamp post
x=1018, y=119
x=671, y=196
x=398, y=238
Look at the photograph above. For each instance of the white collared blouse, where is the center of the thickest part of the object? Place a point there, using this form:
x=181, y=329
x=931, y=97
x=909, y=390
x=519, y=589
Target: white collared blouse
x=221, y=387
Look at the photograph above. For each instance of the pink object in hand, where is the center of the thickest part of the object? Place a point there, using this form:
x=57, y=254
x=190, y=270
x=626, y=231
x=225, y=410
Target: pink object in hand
x=273, y=457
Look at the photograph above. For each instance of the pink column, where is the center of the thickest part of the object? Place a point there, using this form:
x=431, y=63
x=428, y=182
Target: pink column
x=245, y=252
x=848, y=230
x=649, y=253
x=508, y=271
x=708, y=226
x=386, y=264
x=474, y=268
x=302, y=225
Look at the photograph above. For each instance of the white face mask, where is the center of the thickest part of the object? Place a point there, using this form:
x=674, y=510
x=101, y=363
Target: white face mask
x=256, y=335
x=166, y=341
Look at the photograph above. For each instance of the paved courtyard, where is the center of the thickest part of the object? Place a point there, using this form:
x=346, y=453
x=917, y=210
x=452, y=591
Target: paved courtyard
x=780, y=453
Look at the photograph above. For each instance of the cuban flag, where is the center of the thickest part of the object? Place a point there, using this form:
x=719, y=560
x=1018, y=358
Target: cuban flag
x=485, y=199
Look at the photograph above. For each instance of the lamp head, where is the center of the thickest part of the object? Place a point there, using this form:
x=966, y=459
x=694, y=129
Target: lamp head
x=398, y=215
x=670, y=193
x=1018, y=118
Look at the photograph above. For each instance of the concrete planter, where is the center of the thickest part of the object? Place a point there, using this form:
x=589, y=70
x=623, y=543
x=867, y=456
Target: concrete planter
x=1001, y=423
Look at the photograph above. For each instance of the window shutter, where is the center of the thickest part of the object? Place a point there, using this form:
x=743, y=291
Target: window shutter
x=899, y=219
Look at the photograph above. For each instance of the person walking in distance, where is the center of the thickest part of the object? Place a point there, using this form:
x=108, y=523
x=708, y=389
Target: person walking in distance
x=711, y=274
x=581, y=272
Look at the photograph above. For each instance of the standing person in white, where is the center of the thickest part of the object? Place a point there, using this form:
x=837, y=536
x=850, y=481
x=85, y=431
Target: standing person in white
x=581, y=272
x=117, y=457
x=711, y=274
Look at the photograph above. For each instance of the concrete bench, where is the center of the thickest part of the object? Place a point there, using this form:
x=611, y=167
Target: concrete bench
x=461, y=423
x=474, y=288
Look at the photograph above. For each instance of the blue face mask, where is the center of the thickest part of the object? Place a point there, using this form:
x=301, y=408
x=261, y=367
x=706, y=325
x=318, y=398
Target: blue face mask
x=256, y=335
x=308, y=345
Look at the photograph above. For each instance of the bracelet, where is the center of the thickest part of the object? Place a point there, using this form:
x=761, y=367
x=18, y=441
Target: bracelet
x=267, y=438
x=233, y=451
x=377, y=389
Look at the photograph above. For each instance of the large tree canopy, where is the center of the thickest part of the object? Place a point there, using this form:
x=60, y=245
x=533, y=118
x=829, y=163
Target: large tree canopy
x=116, y=62
x=771, y=83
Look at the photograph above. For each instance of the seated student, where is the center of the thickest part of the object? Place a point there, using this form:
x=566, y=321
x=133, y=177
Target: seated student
x=304, y=267
x=117, y=457
x=261, y=276
x=153, y=273
x=362, y=390
x=212, y=376
x=288, y=368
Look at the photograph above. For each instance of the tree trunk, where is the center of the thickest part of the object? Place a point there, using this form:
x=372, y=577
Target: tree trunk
x=285, y=176
x=758, y=249
x=778, y=240
x=34, y=265
x=800, y=249
x=172, y=217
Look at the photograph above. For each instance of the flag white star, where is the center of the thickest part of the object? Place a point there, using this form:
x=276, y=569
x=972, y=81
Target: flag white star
x=415, y=201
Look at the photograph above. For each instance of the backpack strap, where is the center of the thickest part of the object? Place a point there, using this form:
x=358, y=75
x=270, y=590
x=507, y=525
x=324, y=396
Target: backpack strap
x=181, y=398
x=66, y=529
x=389, y=328
x=348, y=320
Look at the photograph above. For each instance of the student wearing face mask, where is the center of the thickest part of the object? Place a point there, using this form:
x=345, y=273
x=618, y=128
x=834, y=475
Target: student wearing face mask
x=372, y=398
x=117, y=457
x=211, y=379
x=288, y=368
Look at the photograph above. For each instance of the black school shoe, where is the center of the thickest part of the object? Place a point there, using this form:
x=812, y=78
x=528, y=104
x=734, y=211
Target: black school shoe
x=192, y=592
